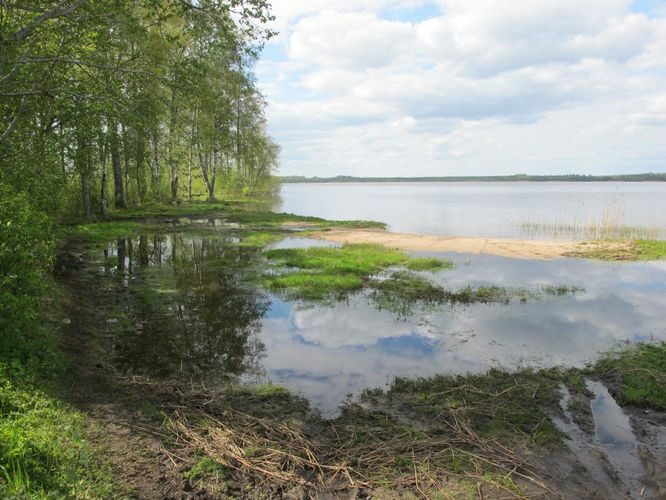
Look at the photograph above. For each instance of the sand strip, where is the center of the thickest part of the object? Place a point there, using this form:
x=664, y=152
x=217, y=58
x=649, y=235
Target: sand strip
x=525, y=249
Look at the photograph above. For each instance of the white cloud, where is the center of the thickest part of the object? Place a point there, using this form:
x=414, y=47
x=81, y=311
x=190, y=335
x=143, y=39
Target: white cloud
x=480, y=86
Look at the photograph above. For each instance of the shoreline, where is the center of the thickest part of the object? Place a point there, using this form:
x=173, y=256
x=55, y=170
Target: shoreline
x=524, y=249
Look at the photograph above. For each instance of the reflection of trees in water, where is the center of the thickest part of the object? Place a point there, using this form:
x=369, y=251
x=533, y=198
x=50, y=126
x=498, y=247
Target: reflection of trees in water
x=192, y=307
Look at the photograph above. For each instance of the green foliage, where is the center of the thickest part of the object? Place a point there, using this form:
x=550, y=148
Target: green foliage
x=26, y=254
x=142, y=101
x=641, y=372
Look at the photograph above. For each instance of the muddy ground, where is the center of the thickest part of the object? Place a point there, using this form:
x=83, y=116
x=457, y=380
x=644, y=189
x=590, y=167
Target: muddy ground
x=181, y=439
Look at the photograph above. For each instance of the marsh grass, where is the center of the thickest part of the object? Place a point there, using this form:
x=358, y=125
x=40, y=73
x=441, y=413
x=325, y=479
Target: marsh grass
x=602, y=231
x=497, y=404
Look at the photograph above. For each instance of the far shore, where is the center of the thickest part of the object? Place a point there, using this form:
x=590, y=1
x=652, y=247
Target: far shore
x=524, y=249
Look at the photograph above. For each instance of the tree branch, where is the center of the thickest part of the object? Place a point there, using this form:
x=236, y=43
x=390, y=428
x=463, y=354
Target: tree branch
x=58, y=11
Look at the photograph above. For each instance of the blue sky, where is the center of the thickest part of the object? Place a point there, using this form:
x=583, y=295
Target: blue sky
x=467, y=87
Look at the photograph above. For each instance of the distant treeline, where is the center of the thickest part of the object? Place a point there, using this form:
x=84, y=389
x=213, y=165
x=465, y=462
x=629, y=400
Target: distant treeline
x=653, y=177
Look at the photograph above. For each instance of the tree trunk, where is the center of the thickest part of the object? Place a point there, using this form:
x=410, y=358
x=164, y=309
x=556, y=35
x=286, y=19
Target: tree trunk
x=173, y=165
x=102, y=197
x=118, y=185
x=154, y=164
x=204, y=163
x=140, y=158
x=126, y=158
x=85, y=193
x=189, y=174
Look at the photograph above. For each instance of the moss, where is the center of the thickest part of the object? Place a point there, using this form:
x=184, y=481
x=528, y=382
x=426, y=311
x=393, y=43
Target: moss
x=637, y=375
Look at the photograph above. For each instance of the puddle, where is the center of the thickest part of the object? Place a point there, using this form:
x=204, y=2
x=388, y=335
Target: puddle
x=614, y=433
x=611, y=453
x=302, y=243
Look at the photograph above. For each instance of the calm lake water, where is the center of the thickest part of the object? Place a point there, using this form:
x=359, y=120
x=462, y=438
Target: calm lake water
x=193, y=307
x=563, y=210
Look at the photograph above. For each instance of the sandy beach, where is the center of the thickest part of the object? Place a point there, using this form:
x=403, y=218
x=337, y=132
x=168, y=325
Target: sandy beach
x=526, y=249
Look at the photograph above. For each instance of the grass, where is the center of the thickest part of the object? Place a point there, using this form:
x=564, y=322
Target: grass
x=637, y=374
x=43, y=452
x=320, y=272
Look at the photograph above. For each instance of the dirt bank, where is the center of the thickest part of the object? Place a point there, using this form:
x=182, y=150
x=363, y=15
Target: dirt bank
x=524, y=249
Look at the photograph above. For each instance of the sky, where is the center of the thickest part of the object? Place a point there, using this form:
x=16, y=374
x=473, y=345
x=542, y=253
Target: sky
x=467, y=87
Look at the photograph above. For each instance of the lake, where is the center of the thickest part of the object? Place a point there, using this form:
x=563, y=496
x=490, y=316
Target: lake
x=558, y=210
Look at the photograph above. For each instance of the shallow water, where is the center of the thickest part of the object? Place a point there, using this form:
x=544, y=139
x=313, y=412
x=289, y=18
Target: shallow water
x=557, y=210
x=190, y=305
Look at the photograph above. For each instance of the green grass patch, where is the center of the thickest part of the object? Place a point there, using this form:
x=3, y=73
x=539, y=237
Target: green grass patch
x=622, y=250
x=259, y=239
x=360, y=260
x=640, y=372
x=428, y=264
x=651, y=249
x=321, y=271
x=314, y=286
x=43, y=452
x=102, y=232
